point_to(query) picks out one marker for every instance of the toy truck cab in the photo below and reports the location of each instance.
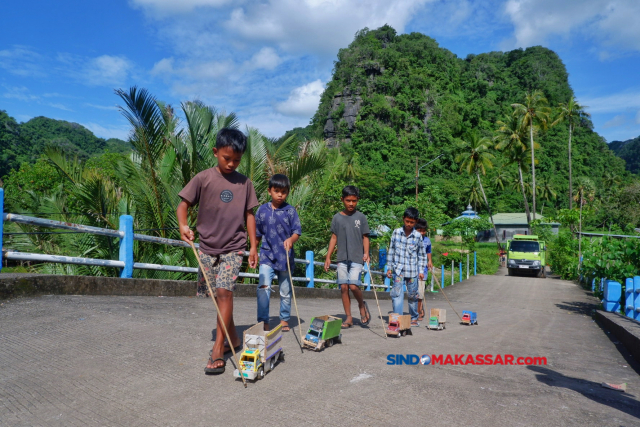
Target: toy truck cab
(437, 319)
(323, 332)
(526, 253)
(399, 325)
(469, 317)
(261, 352)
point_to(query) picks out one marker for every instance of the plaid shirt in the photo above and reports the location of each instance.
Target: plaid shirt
(407, 257)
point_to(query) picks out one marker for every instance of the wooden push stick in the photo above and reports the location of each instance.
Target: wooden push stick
(221, 321)
(293, 292)
(376, 294)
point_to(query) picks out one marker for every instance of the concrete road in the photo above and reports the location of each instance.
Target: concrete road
(138, 361)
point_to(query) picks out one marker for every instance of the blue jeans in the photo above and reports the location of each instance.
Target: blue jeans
(264, 294)
(397, 295)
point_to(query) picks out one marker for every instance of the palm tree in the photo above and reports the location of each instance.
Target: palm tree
(510, 138)
(474, 157)
(584, 190)
(547, 191)
(574, 114)
(534, 112)
(503, 177)
(474, 194)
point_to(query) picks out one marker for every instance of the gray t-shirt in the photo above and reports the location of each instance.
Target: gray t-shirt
(349, 229)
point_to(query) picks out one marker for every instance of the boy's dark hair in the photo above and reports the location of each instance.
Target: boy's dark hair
(279, 181)
(411, 213)
(350, 190)
(232, 138)
(421, 224)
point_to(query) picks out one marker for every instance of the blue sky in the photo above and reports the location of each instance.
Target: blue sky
(268, 60)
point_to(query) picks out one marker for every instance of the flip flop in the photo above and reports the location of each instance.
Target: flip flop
(286, 328)
(347, 325)
(215, 371)
(414, 323)
(366, 310)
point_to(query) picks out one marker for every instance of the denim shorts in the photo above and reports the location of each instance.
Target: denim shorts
(349, 273)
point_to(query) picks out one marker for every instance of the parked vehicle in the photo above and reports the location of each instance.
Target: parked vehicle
(261, 352)
(526, 253)
(323, 332)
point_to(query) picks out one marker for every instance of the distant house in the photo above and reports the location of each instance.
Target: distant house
(508, 224)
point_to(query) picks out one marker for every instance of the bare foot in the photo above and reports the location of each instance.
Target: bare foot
(216, 354)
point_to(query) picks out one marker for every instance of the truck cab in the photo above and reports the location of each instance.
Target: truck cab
(526, 253)
(250, 364)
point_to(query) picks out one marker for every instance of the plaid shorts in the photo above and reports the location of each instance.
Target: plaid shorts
(221, 270)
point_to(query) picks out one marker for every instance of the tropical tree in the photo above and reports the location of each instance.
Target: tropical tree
(535, 112)
(474, 157)
(574, 114)
(547, 191)
(473, 194)
(585, 192)
(510, 138)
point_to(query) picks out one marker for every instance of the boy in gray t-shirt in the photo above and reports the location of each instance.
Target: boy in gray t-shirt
(350, 231)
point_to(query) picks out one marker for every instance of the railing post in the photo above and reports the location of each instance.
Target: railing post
(310, 269)
(636, 304)
(628, 298)
(387, 281)
(1, 222)
(367, 279)
(453, 272)
(475, 263)
(432, 279)
(442, 271)
(467, 265)
(460, 265)
(126, 246)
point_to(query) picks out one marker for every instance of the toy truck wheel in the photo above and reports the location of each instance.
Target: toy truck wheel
(329, 342)
(261, 373)
(338, 339)
(272, 363)
(281, 357)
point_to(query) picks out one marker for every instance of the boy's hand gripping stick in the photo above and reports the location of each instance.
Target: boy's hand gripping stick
(221, 322)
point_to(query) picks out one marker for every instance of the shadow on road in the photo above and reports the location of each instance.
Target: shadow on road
(589, 389)
(585, 308)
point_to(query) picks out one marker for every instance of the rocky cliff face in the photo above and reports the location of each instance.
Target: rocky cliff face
(341, 119)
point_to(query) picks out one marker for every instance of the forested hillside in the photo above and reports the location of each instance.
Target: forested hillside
(394, 97)
(25, 142)
(628, 150)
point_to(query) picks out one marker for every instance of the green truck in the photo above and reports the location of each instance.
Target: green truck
(526, 253)
(323, 332)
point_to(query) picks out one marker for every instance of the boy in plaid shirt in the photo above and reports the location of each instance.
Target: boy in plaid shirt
(407, 260)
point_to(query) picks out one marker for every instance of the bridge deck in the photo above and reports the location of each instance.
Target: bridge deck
(138, 361)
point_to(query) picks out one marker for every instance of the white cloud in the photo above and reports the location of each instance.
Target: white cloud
(58, 106)
(638, 117)
(101, 107)
(164, 7)
(22, 61)
(106, 70)
(618, 120)
(609, 22)
(614, 103)
(314, 25)
(20, 93)
(106, 132)
(266, 58)
(303, 101)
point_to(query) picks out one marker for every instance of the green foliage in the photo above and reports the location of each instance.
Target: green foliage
(467, 229)
(629, 151)
(614, 259)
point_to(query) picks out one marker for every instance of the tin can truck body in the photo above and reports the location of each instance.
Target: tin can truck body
(469, 317)
(323, 332)
(399, 325)
(262, 350)
(525, 253)
(437, 319)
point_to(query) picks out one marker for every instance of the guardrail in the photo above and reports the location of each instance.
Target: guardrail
(126, 262)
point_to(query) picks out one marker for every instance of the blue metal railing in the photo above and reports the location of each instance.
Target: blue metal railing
(126, 262)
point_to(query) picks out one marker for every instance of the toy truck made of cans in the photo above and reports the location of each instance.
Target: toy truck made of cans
(323, 332)
(437, 319)
(399, 325)
(262, 350)
(469, 317)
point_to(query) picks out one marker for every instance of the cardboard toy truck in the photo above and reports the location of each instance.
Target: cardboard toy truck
(437, 319)
(469, 317)
(324, 331)
(262, 350)
(399, 325)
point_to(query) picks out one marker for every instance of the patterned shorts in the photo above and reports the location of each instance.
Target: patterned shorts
(221, 270)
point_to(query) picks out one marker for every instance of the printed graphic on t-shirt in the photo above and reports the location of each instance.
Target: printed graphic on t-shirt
(357, 223)
(226, 196)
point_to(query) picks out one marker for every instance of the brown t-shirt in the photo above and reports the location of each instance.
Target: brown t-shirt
(223, 200)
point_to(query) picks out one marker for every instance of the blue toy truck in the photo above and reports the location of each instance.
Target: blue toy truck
(469, 317)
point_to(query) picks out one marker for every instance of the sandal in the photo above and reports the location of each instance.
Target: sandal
(367, 313)
(414, 323)
(286, 328)
(347, 325)
(215, 371)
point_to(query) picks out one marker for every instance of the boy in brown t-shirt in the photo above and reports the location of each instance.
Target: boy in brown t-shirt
(226, 199)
